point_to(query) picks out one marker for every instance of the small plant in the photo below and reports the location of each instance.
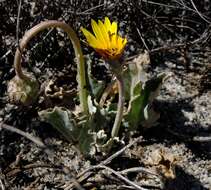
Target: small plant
(88, 125)
(110, 46)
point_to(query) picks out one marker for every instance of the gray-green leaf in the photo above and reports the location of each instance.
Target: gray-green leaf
(62, 120)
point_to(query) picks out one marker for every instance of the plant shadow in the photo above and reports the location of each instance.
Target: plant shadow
(183, 181)
(175, 127)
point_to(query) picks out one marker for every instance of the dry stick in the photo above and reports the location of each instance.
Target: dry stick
(142, 39)
(5, 55)
(137, 170)
(202, 139)
(118, 174)
(88, 11)
(158, 22)
(93, 8)
(87, 172)
(194, 6)
(110, 158)
(179, 19)
(202, 38)
(161, 4)
(182, 6)
(2, 185)
(43, 39)
(126, 180)
(78, 53)
(24, 134)
(182, 26)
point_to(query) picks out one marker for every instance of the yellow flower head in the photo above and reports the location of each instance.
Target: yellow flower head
(105, 40)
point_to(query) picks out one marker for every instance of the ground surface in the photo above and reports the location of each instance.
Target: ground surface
(177, 36)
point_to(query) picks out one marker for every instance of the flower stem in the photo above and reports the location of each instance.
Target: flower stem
(120, 107)
(78, 52)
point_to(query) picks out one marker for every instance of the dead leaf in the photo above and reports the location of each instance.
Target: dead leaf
(163, 162)
(58, 95)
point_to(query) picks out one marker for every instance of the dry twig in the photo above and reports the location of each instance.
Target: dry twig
(89, 171)
(202, 39)
(194, 6)
(121, 177)
(138, 169)
(2, 184)
(24, 134)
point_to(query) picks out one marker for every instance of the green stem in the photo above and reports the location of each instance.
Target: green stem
(120, 107)
(78, 52)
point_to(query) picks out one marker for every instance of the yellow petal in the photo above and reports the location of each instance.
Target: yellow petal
(113, 28)
(119, 42)
(107, 23)
(124, 42)
(113, 41)
(90, 38)
(98, 33)
(104, 33)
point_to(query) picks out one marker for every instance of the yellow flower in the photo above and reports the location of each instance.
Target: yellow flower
(105, 40)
